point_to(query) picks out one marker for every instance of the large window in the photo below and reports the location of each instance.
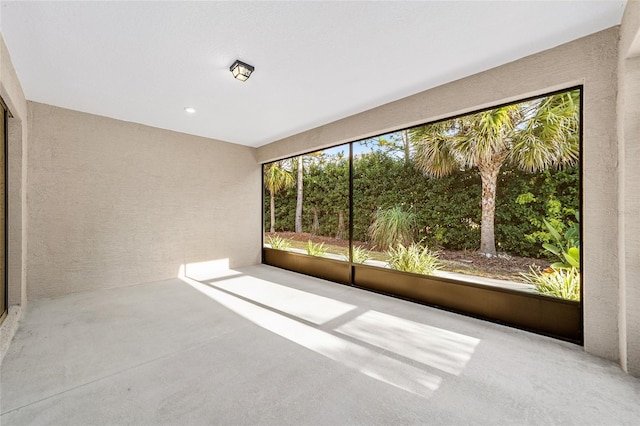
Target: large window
(490, 199)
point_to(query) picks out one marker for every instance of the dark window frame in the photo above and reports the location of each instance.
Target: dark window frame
(555, 309)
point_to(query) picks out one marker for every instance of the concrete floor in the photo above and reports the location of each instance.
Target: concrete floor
(265, 346)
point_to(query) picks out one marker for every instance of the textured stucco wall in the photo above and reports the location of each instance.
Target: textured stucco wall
(591, 61)
(114, 203)
(629, 201)
(13, 96)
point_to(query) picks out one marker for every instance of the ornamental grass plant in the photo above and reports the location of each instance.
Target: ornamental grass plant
(562, 282)
(413, 258)
(279, 243)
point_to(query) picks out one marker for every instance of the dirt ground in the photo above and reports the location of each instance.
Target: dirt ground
(464, 261)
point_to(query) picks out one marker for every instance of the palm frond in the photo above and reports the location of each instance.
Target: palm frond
(550, 137)
(277, 177)
(433, 149)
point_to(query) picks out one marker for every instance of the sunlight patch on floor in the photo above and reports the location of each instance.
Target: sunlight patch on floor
(307, 306)
(365, 360)
(206, 270)
(442, 349)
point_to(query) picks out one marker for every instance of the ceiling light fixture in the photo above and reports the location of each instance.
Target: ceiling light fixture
(240, 70)
(189, 110)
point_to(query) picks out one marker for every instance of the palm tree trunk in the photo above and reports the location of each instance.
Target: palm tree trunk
(489, 176)
(272, 210)
(340, 233)
(299, 198)
(406, 146)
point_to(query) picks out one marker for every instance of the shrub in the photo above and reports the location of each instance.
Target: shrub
(563, 283)
(279, 243)
(413, 258)
(566, 247)
(316, 249)
(391, 227)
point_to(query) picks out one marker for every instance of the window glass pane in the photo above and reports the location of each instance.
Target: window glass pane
(491, 197)
(306, 204)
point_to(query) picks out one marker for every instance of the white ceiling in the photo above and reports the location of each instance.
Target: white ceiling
(315, 61)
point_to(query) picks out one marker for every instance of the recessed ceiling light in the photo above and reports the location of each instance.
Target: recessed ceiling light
(189, 110)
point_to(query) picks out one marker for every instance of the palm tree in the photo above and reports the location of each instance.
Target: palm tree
(276, 178)
(533, 136)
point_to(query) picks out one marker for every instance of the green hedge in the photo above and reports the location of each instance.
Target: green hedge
(447, 209)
